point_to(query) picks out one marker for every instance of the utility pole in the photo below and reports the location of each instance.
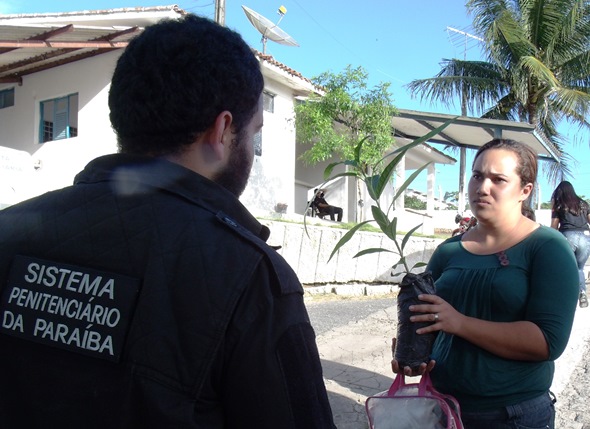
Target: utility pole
(220, 12)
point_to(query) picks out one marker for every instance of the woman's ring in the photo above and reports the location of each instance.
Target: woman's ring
(436, 317)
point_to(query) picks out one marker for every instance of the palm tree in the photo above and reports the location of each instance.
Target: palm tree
(537, 68)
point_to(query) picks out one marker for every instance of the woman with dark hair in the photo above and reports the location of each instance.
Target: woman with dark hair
(497, 286)
(570, 215)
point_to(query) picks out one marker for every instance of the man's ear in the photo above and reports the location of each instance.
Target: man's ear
(221, 134)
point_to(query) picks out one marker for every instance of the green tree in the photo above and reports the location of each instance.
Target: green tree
(537, 68)
(349, 111)
(415, 203)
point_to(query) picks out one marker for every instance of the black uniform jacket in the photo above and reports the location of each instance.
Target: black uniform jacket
(145, 296)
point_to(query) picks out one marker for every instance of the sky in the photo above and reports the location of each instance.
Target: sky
(395, 41)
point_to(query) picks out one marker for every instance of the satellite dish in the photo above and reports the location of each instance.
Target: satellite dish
(269, 29)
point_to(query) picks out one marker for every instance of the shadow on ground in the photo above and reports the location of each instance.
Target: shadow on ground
(348, 387)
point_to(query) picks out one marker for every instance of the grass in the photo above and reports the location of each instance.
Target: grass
(349, 225)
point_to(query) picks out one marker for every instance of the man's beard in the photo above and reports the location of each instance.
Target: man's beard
(234, 176)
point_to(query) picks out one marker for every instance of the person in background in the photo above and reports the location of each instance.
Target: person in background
(570, 215)
(505, 302)
(325, 208)
(529, 212)
(145, 296)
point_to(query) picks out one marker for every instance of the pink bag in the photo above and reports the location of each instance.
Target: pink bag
(413, 406)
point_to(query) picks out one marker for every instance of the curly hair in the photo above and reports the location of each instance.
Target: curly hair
(174, 79)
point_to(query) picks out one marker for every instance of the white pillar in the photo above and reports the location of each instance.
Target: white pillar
(461, 196)
(430, 179)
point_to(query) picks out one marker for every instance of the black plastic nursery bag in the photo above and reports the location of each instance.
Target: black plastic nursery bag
(412, 349)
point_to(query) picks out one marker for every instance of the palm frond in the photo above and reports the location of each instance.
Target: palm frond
(538, 68)
(573, 104)
(480, 81)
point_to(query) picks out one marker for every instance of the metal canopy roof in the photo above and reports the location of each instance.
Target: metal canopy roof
(422, 154)
(30, 43)
(470, 132)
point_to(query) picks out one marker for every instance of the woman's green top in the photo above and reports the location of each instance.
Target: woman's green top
(534, 280)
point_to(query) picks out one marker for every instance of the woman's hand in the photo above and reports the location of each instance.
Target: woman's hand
(519, 340)
(424, 367)
(436, 310)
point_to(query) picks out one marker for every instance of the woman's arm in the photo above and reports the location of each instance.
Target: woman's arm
(522, 340)
(544, 331)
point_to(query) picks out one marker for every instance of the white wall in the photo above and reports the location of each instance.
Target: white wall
(273, 173)
(16, 169)
(61, 160)
(341, 193)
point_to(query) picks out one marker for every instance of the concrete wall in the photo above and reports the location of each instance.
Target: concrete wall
(308, 253)
(307, 249)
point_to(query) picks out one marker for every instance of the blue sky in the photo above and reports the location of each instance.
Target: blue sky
(396, 41)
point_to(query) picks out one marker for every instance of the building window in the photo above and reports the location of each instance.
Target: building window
(268, 101)
(6, 98)
(59, 118)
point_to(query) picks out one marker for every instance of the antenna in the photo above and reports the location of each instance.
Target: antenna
(459, 34)
(268, 29)
(463, 151)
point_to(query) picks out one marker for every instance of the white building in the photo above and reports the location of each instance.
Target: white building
(55, 72)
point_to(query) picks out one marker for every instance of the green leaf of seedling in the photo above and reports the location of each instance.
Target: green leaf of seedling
(351, 163)
(372, 250)
(399, 262)
(372, 182)
(392, 229)
(357, 149)
(381, 220)
(421, 139)
(345, 174)
(408, 235)
(434, 132)
(346, 237)
(409, 180)
(328, 170)
(386, 175)
(418, 265)
(402, 261)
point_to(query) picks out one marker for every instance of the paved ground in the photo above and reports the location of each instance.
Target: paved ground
(356, 361)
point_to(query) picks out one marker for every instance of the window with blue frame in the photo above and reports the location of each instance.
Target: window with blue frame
(59, 118)
(6, 98)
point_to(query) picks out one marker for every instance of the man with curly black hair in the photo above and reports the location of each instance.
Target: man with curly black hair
(145, 295)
